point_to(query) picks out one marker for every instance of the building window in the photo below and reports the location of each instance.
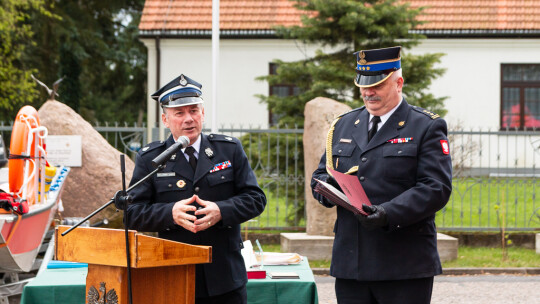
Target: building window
(520, 96)
(282, 90)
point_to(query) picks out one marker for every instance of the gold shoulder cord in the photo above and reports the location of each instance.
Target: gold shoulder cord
(329, 138)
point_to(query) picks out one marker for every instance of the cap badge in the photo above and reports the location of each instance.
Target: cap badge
(362, 56)
(357, 121)
(209, 152)
(401, 123)
(181, 183)
(183, 81)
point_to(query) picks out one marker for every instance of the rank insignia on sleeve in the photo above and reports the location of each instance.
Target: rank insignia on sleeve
(209, 152)
(221, 166)
(444, 145)
(181, 184)
(400, 140)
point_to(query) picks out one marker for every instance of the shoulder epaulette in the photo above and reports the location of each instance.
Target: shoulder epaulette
(353, 110)
(426, 112)
(151, 146)
(221, 137)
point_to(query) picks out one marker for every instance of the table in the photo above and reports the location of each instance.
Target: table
(68, 285)
(277, 291)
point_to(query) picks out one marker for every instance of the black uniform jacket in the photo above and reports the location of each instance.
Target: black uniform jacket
(411, 179)
(233, 189)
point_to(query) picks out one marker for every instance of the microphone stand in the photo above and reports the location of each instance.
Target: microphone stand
(121, 200)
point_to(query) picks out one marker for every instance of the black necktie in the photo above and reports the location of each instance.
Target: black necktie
(190, 151)
(374, 127)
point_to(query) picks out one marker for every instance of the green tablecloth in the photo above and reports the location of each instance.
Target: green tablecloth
(67, 286)
(278, 291)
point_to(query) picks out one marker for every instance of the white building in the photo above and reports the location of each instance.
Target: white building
(492, 56)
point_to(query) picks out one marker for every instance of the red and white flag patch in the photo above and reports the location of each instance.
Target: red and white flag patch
(444, 145)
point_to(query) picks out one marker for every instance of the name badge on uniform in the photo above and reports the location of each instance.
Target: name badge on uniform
(221, 166)
(345, 140)
(165, 174)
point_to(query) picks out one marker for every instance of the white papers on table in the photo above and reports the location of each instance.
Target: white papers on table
(279, 258)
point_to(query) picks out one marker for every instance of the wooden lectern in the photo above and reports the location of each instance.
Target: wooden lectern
(162, 271)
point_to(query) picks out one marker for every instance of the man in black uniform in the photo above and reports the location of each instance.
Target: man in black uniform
(202, 196)
(401, 157)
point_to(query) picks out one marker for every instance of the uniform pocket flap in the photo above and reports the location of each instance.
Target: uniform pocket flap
(397, 150)
(170, 184)
(343, 149)
(221, 176)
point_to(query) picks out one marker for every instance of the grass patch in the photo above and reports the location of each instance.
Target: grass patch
(492, 257)
(479, 203)
(275, 213)
(475, 202)
(475, 257)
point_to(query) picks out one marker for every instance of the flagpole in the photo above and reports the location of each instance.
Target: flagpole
(215, 63)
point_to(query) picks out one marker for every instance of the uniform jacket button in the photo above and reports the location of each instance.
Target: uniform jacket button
(196, 189)
(399, 152)
(222, 177)
(339, 151)
(169, 185)
(364, 159)
(362, 178)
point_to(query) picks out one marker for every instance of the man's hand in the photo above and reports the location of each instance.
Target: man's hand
(211, 212)
(376, 217)
(180, 215)
(332, 181)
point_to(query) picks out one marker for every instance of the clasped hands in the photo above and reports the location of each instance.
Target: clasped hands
(209, 209)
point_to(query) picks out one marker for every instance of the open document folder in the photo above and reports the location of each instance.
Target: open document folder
(353, 195)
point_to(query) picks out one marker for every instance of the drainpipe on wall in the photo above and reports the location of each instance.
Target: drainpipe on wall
(157, 134)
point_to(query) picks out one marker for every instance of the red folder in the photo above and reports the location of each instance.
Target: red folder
(353, 195)
(256, 274)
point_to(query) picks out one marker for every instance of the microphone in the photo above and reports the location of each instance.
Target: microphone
(182, 142)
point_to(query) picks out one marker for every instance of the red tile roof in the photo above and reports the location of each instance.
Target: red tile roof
(234, 14)
(253, 15)
(480, 14)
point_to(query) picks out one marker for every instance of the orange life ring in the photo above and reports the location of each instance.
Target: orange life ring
(26, 119)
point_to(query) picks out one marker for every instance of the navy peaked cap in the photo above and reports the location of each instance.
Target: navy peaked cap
(182, 91)
(375, 66)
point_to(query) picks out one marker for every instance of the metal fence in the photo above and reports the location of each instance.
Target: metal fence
(495, 176)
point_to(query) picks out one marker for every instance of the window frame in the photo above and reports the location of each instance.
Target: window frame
(272, 70)
(521, 85)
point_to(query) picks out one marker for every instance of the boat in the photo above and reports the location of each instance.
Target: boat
(30, 191)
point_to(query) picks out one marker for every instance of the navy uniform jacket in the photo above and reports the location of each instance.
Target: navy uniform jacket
(412, 180)
(234, 190)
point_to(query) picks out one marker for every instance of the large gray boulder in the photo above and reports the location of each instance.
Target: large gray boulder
(95, 183)
(319, 114)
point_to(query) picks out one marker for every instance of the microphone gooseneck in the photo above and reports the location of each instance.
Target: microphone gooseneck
(181, 143)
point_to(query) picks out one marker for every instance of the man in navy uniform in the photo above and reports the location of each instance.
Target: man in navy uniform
(401, 157)
(202, 196)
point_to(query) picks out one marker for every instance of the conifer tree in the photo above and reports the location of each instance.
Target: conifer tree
(347, 26)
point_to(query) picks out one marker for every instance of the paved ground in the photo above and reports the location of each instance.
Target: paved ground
(466, 289)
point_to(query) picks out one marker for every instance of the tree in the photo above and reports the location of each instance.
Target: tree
(347, 26)
(16, 86)
(94, 44)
